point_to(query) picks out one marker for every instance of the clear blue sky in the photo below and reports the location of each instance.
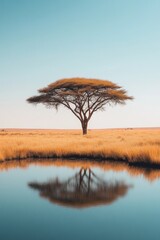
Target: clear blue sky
(45, 40)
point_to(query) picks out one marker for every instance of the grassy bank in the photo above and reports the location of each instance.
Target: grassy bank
(135, 146)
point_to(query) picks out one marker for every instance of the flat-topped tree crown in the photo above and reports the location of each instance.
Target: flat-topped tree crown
(82, 96)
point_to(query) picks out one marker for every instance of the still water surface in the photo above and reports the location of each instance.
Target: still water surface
(72, 200)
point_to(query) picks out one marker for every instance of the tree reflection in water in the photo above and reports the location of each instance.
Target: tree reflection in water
(84, 189)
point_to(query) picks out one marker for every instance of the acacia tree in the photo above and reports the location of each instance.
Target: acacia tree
(81, 96)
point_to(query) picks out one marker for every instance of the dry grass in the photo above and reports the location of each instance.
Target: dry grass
(130, 145)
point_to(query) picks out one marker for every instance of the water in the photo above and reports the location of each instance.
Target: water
(67, 200)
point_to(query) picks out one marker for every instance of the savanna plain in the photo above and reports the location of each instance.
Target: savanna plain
(133, 146)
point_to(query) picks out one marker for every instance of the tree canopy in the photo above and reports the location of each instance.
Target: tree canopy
(82, 96)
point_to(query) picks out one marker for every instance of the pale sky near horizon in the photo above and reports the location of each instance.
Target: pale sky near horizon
(42, 41)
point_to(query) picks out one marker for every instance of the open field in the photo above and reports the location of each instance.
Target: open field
(134, 146)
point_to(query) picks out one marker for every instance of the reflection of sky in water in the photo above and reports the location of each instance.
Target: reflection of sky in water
(25, 215)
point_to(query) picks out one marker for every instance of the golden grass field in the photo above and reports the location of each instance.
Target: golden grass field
(130, 145)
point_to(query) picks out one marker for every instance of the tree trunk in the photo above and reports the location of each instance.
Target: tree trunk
(84, 127)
